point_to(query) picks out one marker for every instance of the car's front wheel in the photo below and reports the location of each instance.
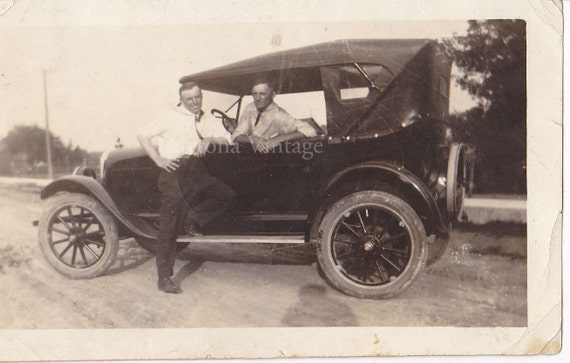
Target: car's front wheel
(371, 244)
(78, 236)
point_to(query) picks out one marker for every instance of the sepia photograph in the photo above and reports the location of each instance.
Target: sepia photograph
(320, 179)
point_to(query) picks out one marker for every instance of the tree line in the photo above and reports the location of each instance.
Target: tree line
(492, 61)
(24, 152)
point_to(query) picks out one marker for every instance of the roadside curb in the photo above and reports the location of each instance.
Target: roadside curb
(24, 181)
(485, 210)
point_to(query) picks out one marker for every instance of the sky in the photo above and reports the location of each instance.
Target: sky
(107, 78)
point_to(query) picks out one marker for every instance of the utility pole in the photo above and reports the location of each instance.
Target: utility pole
(48, 141)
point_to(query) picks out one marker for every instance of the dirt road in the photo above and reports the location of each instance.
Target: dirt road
(480, 281)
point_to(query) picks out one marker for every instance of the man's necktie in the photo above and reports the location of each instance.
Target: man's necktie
(198, 116)
(197, 119)
(257, 118)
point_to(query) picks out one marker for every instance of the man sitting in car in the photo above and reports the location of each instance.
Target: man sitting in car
(264, 124)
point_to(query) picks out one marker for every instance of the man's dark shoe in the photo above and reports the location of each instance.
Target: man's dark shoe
(192, 231)
(166, 285)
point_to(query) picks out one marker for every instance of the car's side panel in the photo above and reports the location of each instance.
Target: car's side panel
(132, 184)
(272, 182)
(401, 174)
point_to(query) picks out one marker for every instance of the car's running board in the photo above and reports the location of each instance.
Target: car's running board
(243, 239)
(275, 217)
(248, 217)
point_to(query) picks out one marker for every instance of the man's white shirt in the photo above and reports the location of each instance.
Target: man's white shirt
(177, 133)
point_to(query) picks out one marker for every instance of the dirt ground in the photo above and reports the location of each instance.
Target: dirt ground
(480, 281)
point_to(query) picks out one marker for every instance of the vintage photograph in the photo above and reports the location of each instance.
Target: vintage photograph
(176, 180)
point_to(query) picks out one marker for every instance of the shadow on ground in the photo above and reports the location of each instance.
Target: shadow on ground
(330, 312)
(130, 255)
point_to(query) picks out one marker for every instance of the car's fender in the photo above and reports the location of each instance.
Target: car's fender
(87, 185)
(405, 177)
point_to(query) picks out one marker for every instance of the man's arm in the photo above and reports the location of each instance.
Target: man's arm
(202, 147)
(266, 146)
(297, 130)
(258, 143)
(163, 163)
(243, 128)
(241, 131)
(295, 135)
(218, 140)
(244, 139)
(292, 128)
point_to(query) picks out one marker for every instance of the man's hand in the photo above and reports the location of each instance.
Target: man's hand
(167, 164)
(264, 145)
(201, 148)
(163, 163)
(259, 144)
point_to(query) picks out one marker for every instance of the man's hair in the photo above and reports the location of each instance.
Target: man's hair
(264, 80)
(187, 86)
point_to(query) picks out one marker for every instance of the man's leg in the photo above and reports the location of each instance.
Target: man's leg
(171, 204)
(209, 202)
(206, 196)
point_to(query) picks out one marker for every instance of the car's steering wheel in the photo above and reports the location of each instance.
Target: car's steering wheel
(229, 123)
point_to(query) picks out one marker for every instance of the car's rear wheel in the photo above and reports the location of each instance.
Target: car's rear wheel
(150, 244)
(371, 244)
(78, 236)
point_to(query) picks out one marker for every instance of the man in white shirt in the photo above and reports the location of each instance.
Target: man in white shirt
(264, 124)
(188, 193)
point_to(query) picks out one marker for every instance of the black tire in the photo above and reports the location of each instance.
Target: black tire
(78, 236)
(150, 244)
(371, 245)
(437, 244)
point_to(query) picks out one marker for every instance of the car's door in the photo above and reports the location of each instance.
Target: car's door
(274, 182)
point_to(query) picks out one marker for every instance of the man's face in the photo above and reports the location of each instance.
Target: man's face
(262, 95)
(192, 99)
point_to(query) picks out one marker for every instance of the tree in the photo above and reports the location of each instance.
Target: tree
(30, 142)
(492, 57)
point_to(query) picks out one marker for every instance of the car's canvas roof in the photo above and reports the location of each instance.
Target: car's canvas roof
(291, 66)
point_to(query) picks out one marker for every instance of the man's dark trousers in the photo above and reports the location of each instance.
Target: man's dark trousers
(189, 190)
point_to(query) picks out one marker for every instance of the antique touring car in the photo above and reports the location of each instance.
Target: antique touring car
(375, 191)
